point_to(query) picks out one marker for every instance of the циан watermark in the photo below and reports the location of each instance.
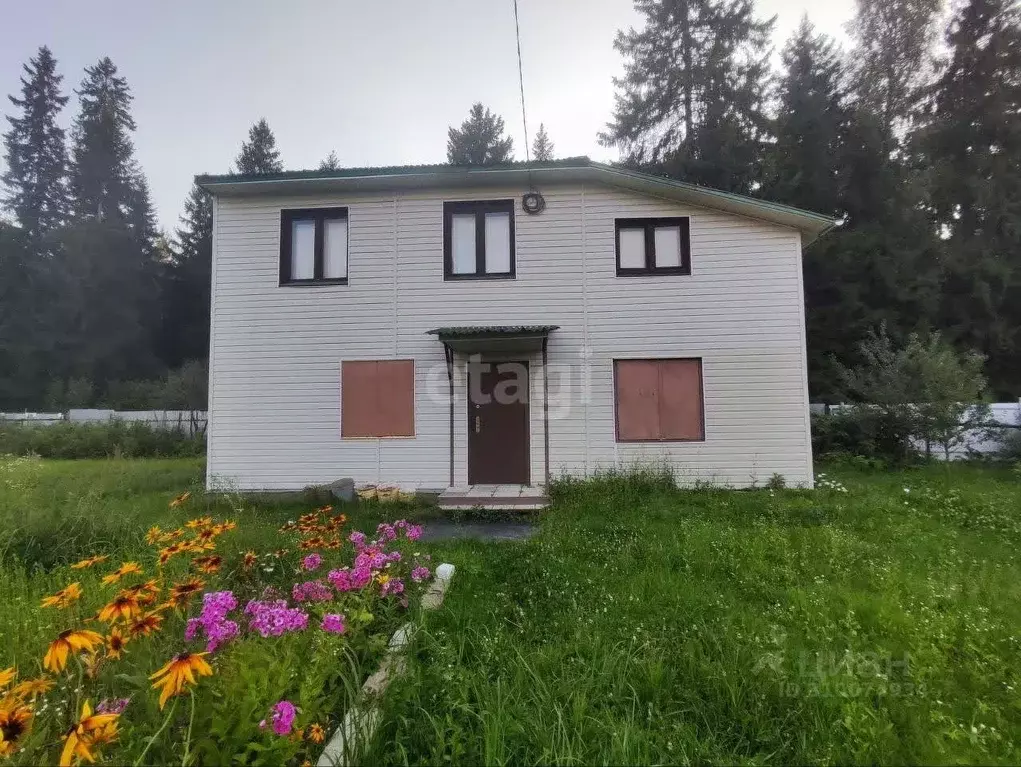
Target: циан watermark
(847, 674)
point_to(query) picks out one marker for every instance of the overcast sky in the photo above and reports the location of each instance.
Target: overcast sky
(379, 82)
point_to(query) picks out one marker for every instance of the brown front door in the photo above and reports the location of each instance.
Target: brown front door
(498, 424)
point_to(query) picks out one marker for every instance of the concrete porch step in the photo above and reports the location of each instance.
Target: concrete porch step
(494, 497)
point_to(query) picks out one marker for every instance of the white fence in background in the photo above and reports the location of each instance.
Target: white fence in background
(188, 421)
(1004, 422)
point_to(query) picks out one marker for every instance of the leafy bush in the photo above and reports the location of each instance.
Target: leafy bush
(865, 431)
(1010, 445)
(99, 440)
(183, 389)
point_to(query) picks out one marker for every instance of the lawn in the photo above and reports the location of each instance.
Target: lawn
(872, 620)
(875, 620)
(201, 560)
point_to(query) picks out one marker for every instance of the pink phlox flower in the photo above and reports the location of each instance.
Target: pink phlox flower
(340, 579)
(360, 577)
(312, 561)
(212, 621)
(275, 618)
(333, 622)
(392, 587)
(112, 705)
(413, 532)
(420, 574)
(311, 591)
(281, 717)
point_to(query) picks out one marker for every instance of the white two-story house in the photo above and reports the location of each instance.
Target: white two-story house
(467, 328)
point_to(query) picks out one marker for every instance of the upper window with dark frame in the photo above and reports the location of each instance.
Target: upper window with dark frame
(478, 240)
(653, 245)
(313, 246)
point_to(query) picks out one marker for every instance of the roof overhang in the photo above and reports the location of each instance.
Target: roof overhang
(525, 175)
(478, 339)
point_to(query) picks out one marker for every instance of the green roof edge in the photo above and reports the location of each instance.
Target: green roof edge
(387, 170)
(567, 162)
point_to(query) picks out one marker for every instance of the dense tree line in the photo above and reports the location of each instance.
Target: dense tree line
(911, 141)
(913, 146)
(97, 305)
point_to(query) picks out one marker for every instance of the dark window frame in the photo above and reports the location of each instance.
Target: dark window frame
(649, 225)
(616, 400)
(319, 215)
(480, 208)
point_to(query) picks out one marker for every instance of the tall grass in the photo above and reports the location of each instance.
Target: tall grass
(647, 624)
(113, 439)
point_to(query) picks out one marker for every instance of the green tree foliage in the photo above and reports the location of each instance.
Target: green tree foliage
(968, 143)
(103, 172)
(259, 154)
(811, 126)
(924, 383)
(542, 147)
(330, 162)
(479, 140)
(187, 289)
(832, 153)
(28, 335)
(108, 300)
(36, 176)
(892, 56)
(691, 100)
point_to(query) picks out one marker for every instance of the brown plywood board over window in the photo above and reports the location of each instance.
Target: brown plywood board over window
(395, 404)
(637, 384)
(377, 399)
(680, 400)
(659, 400)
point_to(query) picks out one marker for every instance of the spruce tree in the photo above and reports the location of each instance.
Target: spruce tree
(542, 147)
(691, 100)
(102, 170)
(479, 140)
(802, 166)
(330, 162)
(259, 154)
(36, 176)
(111, 313)
(187, 292)
(968, 144)
(892, 56)
(30, 303)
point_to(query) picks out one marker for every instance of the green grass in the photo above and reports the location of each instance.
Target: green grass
(54, 513)
(642, 625)
(651, 625)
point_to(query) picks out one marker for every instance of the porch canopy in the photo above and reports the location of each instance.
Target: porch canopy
(476, 339)
(479, 339)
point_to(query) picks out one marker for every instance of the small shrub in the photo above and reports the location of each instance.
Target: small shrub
(777, 482)
(1009, 449)
(99, 440)
(865, 431)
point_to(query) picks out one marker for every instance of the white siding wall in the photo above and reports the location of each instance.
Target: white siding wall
(276, 351)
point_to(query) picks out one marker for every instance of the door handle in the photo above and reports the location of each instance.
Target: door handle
(478, 425)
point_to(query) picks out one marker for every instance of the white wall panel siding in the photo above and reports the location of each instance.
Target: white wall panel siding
(275, 351)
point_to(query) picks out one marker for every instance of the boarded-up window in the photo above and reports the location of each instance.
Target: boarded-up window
(659, 400)
(377, 398)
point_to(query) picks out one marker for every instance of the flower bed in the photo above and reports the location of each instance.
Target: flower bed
(207, 655)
